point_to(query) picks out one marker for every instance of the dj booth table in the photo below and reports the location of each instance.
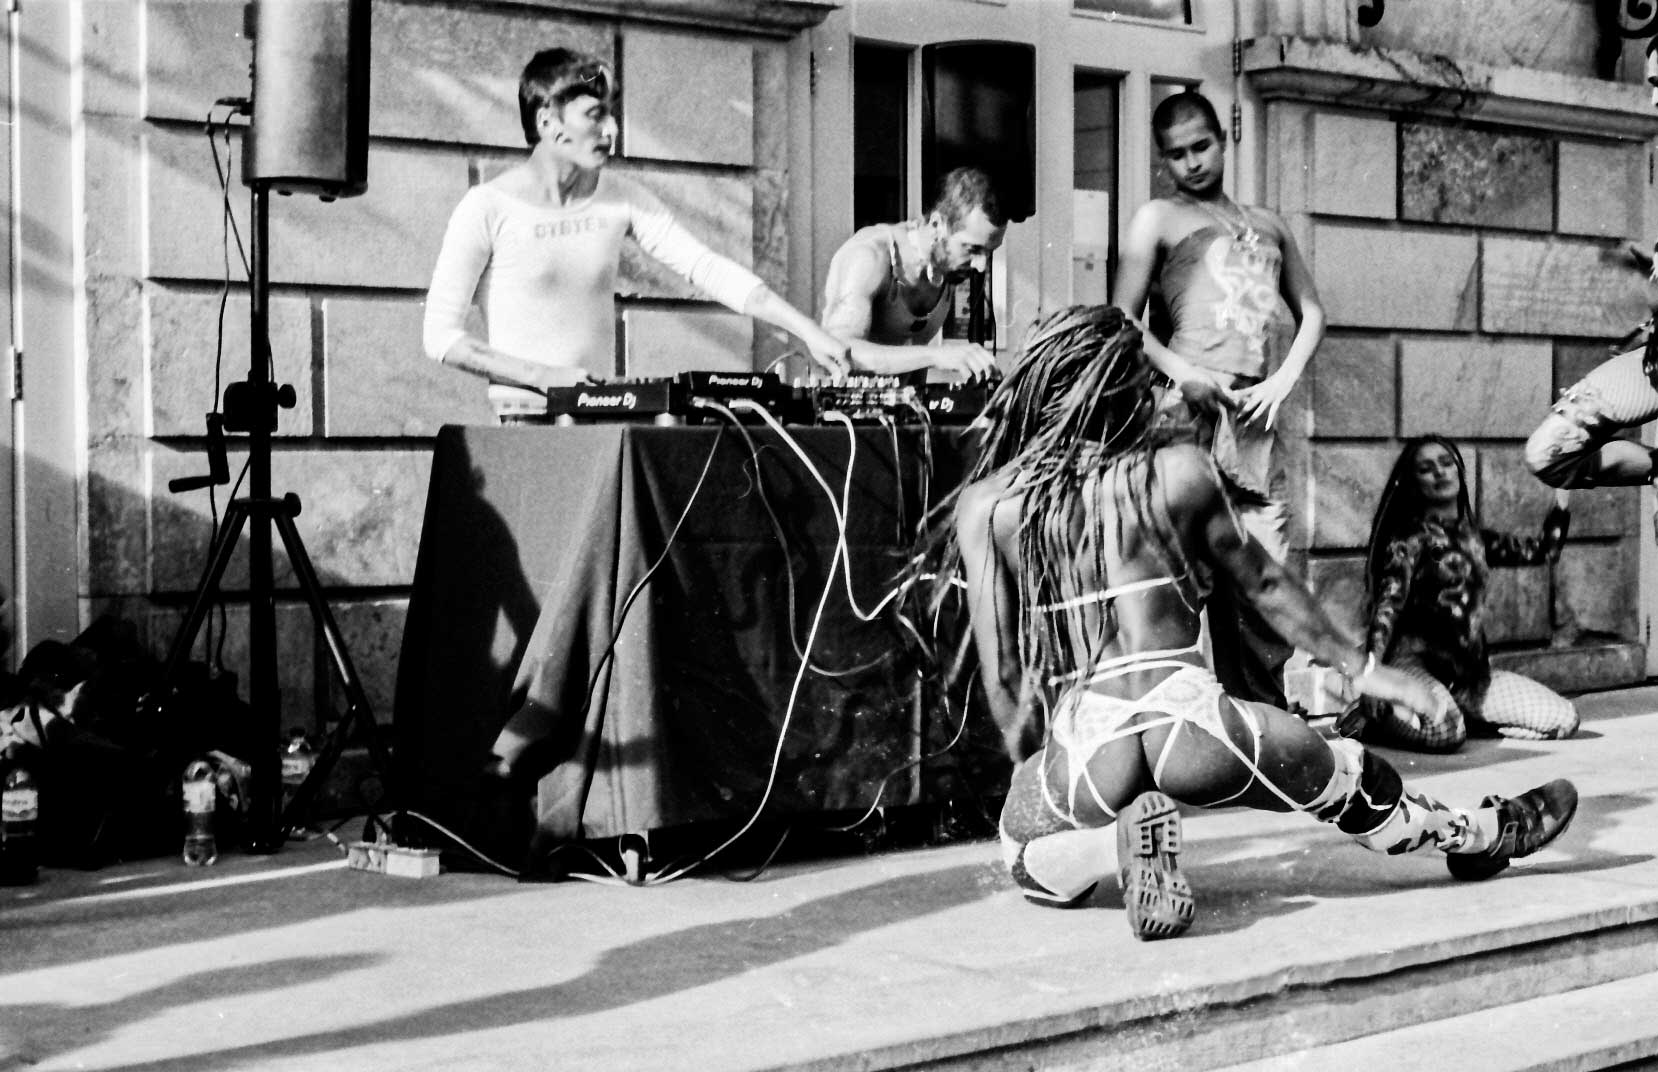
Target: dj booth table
(630, 716)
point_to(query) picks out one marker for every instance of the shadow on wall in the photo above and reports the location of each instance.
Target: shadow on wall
(154, 552)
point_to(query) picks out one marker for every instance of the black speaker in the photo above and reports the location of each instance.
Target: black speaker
(310, 97)
(978, 109)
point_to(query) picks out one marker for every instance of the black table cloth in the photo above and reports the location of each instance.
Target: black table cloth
(517, 644)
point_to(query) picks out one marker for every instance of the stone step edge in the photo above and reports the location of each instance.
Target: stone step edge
(1599, 1026)
(1141, 1023)
(1578, 668)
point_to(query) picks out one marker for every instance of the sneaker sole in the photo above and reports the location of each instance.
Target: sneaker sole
(1156, 894)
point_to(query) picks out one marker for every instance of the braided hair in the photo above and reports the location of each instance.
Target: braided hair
(1076, 401)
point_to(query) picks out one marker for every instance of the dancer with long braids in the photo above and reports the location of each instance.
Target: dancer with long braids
(1079, 535)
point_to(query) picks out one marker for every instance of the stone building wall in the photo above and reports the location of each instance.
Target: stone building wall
(1464, 224)
(348, 279)
(1461, 214)
(1563, 36)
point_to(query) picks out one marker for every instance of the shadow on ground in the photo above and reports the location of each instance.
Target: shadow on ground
(663, 964)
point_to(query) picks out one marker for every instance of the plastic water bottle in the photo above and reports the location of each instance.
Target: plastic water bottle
(200, 787)
(19, 815)
(298, 757)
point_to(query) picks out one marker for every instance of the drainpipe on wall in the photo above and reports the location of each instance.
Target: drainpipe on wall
(1237, 90)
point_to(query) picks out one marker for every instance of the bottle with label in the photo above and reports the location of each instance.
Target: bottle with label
(19, 819)
(201, 788)
(298, 757)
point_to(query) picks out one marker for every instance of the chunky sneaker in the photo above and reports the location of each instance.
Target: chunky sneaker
(1525, 824)
(1158, 900)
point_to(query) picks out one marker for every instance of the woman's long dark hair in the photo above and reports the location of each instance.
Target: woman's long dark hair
(1401, 508)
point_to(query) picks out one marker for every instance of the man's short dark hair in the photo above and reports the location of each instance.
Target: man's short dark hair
(963, 190)
(1187, 104)
(556, 76)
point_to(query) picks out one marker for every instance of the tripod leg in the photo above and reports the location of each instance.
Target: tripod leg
(357, 705)
(224, 544)
(261, 837)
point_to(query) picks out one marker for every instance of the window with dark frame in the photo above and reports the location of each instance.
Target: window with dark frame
(1095, 196)
(1176, 11)
(880, 132)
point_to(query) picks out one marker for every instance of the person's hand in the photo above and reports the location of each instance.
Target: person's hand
(1206, 391)
(1640, 257)
(968, 360)
(832, 354)
(560, 376)
(1403, 690)
(1260, 402)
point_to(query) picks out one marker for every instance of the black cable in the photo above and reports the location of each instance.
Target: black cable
(215, 652)
(676, 870)
(236, 107)
(764, 864)
(639, 585)
(881, 786)
(927, 468)
(224, 182)
(891, 426)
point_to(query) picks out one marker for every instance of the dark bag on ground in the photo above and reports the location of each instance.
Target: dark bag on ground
(106, 751)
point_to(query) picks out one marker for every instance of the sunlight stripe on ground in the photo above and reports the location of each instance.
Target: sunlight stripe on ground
(208, 883)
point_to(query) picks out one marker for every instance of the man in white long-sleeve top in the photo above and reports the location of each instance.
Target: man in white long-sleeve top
(538, 249)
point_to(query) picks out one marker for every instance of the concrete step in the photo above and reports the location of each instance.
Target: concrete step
(1579, 667)
(1588, 986)
(1602, 1026)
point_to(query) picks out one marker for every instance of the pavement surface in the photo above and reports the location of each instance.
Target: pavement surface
(293, 962)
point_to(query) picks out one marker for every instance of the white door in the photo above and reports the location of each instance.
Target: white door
(9, 656)
(41, 478)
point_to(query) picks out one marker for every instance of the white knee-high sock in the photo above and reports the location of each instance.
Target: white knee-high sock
(1062, 866)
(1367, 799)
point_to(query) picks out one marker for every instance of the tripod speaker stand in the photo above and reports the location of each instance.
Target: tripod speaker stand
(310, 135)
(251, 407)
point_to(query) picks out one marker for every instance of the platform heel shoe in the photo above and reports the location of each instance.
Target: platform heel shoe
(1525, 824)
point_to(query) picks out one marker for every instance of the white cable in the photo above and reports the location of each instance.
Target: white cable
(834, 504)
(777, 753)
(783, 730)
